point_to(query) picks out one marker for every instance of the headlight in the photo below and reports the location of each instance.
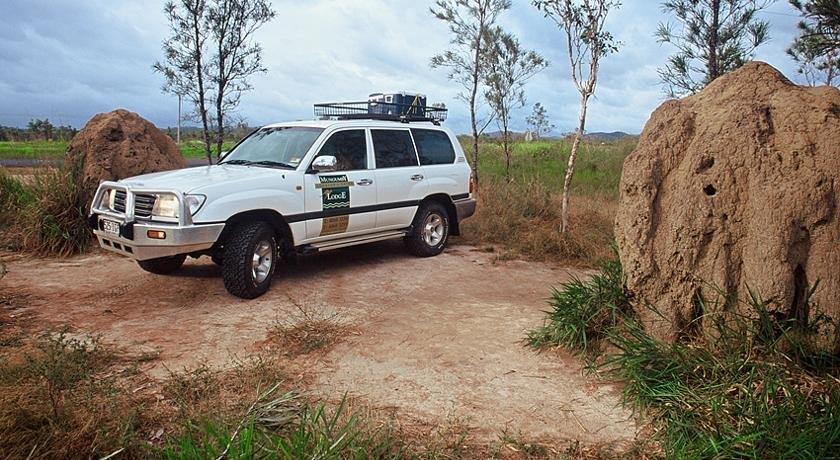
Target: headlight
(106, 201)
(166, 205)
(194, 202)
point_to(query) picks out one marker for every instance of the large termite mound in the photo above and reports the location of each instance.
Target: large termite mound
(730, 191)
(120, 144)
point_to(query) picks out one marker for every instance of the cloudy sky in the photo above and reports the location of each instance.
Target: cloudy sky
(69, 59)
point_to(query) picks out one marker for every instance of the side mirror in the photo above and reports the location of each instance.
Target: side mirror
(325, 163)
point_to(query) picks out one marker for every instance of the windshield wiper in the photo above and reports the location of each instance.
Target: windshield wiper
(278, 164)
(270, 163)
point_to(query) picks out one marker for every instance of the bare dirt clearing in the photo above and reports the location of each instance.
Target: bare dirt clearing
(434, 339)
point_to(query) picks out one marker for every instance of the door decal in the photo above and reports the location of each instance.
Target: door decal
(335, 194)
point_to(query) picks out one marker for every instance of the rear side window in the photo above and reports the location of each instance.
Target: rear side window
(349, 149)
(433, 147)
(393, 148)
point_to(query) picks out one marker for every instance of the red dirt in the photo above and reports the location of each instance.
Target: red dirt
(436, 339)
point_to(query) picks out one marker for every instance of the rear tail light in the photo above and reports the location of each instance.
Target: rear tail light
(472, 183)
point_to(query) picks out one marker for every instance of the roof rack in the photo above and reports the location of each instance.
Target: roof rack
(376, 110)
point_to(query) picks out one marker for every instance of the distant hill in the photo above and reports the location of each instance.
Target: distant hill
(609, 137)
(596, 136)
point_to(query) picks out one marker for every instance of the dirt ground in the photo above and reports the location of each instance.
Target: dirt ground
(435, 339)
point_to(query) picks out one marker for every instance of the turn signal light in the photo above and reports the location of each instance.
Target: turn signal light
(156, 234)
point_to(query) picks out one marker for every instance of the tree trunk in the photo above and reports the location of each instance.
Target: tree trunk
(713, 67)
(570, 167)
(473, 121)
(202, 106)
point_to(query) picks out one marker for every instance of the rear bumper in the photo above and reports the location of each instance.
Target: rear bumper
(133, 240)
(464, 208)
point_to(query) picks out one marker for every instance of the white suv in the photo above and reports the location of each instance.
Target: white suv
(288, 189)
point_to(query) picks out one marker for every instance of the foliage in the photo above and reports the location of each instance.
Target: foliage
(211, 51)
(760, 390)
(587, 42)
(185, 66)
(817, 48)
(232, 24)
(509, 67)
(469, 22)
(716, 37)
(538, 121)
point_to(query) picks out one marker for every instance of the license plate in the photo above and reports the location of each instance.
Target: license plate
(110, 227)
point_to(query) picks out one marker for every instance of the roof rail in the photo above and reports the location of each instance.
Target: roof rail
(375, 110)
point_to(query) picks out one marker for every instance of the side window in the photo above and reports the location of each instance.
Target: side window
(393, 148)
(433, 147)
(349, 149)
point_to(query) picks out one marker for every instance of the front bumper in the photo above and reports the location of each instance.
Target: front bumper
(464, 208)
(130, 236)
(134, 242)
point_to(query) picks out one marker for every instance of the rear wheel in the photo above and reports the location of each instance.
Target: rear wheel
(249, 260)
(163, 265)
(430, 231)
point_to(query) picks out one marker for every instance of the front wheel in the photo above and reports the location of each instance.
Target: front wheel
(163, 265)
(249, 260)
(430, 231)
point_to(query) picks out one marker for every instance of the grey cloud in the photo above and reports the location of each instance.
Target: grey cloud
(68, 60)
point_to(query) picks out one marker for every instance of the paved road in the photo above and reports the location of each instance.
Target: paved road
(33, 163)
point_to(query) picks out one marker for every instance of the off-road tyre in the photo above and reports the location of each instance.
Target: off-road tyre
(418, 241)
(238, 271)
(163, 265)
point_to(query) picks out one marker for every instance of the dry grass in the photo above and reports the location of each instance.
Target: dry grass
(525, 218)
(307, 330)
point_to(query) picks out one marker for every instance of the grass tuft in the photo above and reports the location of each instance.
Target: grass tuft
(761, 389)
(46, 215)
(583, 311)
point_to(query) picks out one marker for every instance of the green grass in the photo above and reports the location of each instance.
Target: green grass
(37, 150)
(54, 150)
(597, 172)
(763, 389)
(285, 427)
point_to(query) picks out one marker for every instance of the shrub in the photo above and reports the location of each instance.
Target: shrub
(47, 215)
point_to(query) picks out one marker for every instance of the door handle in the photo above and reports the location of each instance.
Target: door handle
(364, 182)
(417, 177)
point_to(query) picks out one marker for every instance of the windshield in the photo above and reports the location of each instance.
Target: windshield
(283, 146)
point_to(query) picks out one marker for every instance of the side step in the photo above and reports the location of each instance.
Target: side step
(335, 244)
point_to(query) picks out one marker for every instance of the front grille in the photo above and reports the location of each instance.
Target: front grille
(143, 205)
(119, 201)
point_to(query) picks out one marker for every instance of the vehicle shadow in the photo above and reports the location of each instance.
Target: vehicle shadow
(324, 263)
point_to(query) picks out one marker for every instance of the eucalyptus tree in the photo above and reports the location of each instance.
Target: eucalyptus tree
(587, 42)
(470, 23)
(508, 68)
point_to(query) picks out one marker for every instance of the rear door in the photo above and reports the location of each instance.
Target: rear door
(400, 184)
(341, 203)
(437, 152)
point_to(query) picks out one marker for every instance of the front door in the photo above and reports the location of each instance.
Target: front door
(342, 202)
